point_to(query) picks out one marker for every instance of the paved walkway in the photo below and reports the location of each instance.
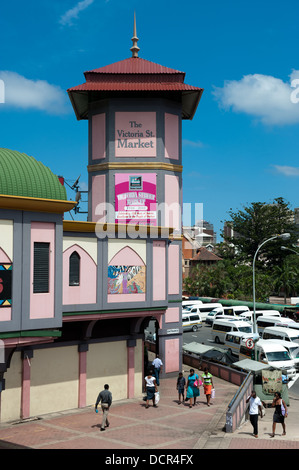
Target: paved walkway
(170, 426)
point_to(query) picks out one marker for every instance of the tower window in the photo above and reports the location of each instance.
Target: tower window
(74, 275)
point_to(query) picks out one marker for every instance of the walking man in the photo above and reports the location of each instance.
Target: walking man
(157, 363)
(255, 406)
(105, 397)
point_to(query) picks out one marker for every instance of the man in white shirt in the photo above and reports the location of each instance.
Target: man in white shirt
(157, 363)
(255, 406)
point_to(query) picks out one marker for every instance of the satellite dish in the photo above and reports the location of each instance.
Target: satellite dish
(78, 196)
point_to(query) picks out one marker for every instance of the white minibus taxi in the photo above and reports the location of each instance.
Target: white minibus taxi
(204, 309)
(222, 312)
(232, 341)
(280, 332)
(270, 353)
(221, 327)
(191, 321)
(264, 322)
(190, 303)
(260, 313)
(292, 347)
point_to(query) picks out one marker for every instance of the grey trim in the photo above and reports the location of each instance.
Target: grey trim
(40, 323)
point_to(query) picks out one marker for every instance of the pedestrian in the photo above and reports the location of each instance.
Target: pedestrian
(157, 363)
(105, 397)
(280, 413)
(207, 379)
(151, 388)
(180, 386)
(255, 406)
(192, 387)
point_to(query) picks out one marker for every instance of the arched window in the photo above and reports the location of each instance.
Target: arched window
(74, 278)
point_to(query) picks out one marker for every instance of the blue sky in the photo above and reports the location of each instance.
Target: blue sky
(243, 143)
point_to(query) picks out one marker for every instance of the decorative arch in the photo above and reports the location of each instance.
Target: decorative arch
(85, 292)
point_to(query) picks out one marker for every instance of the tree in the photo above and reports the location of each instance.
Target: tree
(254, 224)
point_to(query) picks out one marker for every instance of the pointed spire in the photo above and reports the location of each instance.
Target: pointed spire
(134, 48)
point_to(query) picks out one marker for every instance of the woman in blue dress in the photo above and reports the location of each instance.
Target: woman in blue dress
(192, 387)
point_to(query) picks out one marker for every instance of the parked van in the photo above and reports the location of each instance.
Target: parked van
(219, 312)
(200, 309)
(203, 309)
(279, 332)
(260, 313)
(190, 303)
(232, 341)
(293, 349)
(191, 322)
(272, 354)
(264, 322)
(221, 327)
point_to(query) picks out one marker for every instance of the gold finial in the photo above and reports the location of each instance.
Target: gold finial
(134, 48)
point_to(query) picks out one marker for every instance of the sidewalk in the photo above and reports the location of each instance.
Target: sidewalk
(170, 426)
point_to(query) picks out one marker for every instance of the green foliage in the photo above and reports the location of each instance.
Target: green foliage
(275, 269)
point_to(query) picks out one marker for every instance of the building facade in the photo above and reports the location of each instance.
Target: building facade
(77, 296)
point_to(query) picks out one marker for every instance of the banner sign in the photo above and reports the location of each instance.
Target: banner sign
(135, 134)
(136, 198)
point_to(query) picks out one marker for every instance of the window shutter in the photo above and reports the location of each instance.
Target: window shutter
(41, 265)
(74, 275)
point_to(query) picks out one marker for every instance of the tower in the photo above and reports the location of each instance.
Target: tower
(135, 109)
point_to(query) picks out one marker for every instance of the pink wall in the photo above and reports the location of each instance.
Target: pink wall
(86, 292)
(5, 312)
(42, 305)
(159, 270)
(98, 136)
(172, 315)
(174, 269)
(172, 202)
(172, 355)
(171, 136)
(98, 197)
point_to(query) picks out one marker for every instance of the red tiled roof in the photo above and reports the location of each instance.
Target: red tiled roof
(134, 75)
(132, 86)
(135, 65)
(205, 255)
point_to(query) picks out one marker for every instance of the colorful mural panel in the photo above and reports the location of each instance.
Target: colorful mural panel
(5, 285)
(126, 280)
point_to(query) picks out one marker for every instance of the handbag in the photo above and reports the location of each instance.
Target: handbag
(283, 411)
(195, 383)
(157, 398)
(213, 393)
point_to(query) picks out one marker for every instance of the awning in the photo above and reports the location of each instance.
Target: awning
(251, 366)
(198, 348)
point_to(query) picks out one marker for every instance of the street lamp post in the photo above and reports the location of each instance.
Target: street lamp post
(283, 236)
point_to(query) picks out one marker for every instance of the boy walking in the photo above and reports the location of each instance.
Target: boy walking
(180, 386)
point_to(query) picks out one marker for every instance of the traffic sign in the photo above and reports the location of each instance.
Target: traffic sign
(250, 343)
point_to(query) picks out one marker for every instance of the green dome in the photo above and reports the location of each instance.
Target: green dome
(21, 175)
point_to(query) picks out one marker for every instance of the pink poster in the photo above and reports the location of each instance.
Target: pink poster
(135, 134)
(135, 198)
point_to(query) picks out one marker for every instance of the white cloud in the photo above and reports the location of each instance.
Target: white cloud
(265, 97)
(68, 17)
(23, 93)
(287, 170)
(191, 143)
